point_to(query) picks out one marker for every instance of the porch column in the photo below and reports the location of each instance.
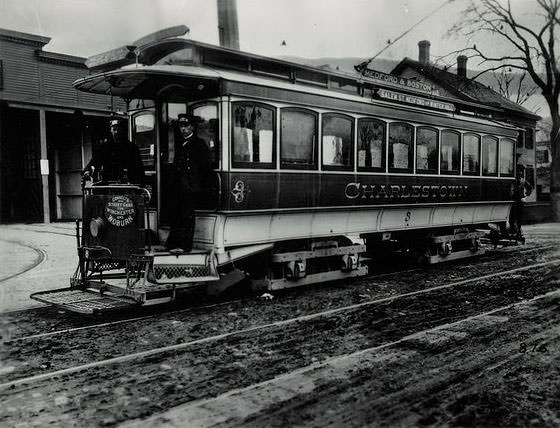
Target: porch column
(44, 166)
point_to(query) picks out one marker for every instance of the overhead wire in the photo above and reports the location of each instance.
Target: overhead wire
(362, 66)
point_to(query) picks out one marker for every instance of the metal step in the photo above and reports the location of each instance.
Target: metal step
(83, 301)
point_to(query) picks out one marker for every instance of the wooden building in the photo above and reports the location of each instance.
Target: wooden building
(47, 129)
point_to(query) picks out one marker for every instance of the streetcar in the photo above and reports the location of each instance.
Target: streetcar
(315, 171)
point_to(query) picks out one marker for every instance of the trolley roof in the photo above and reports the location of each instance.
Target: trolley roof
(178, 68)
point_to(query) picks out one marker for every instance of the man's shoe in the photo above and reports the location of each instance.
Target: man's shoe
(176, 251)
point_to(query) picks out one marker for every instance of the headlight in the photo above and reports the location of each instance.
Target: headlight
(96, 226)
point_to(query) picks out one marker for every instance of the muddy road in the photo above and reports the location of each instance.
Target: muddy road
(464, 344)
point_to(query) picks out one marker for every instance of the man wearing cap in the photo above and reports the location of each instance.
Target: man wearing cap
(117, 159)
(189, 182)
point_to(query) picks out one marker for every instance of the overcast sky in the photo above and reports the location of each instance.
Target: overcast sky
(311, 28)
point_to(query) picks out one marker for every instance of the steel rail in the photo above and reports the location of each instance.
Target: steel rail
(146, 317)
(181, 346)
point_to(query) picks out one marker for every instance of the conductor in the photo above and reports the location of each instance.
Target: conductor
(117, 159)
(189, 183)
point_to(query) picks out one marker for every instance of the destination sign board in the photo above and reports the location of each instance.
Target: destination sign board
(411, 99)
(401, 81)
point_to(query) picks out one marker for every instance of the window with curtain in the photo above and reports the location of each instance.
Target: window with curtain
(507, 150)
(489, 156)
(471, 154)
(253, 138)
(400, 147)
(337, 142)
(426, 150)
(371, 145)
(449, 158)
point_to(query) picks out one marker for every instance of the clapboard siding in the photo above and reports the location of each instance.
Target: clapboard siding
(31, 75)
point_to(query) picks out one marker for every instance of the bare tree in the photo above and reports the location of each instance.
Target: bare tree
(533, 48)
(513, 85)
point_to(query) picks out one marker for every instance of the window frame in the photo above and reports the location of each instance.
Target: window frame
(497, 140)
(352, 143)
(289, 165)
(248, 164)
(470, 173)
(459, 149)
(218, 143)
(411, 164)
(426, 171)
(383, 166)
(513, 143)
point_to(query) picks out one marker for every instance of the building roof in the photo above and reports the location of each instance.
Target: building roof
(464, 88)
(17, 36)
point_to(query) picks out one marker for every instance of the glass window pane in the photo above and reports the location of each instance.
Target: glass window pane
(371, 144)
(506, 157)
(337, 141)
(489, 155)
(449, 163)
(144, 138)
(207, 130)
(253, 135)
(471, 154)
(173, 111)
(400, 146)
(426, 150)
(298, 132)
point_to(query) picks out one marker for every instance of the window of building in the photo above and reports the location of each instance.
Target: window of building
(471, 154)
(543, 156)
(338, 142)
(520, 139)
(207, 129)
(298, 139)
(400, 147)
(253, 135)
(426, 150)
(371, 145)
(507, 148)
(529, 138)
(450, 151)
(489, 156)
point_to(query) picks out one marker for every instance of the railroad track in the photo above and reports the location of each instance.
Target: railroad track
(39, 321)
(215, 364)
(264, 327)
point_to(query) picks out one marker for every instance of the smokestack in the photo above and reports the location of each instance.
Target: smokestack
(462, 66)
(424, 52)
(227, 24)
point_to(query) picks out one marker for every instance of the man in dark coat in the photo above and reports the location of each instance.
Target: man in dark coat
(117, 159)
(521, 189)
(189, 183)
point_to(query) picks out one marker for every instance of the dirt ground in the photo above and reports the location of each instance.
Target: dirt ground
(387, 350)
